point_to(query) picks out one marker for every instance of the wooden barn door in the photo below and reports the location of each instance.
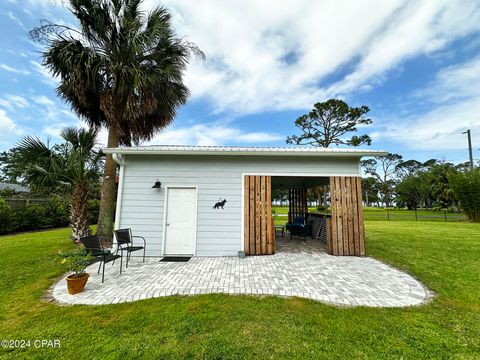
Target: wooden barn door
(346, 231)
(259, 235)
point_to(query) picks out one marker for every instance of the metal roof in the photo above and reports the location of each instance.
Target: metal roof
(242, 150)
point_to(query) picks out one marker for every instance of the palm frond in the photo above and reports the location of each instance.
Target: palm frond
(126, 72)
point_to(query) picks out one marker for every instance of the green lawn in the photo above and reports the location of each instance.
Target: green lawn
(445, 256)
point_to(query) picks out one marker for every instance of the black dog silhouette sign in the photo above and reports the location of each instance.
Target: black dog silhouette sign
(220, 204)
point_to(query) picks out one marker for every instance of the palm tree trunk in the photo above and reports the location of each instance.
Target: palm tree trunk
(108, 195)
(79, 211)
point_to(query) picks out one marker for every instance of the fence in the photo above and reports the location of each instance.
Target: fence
(20, 203)
(413, 215)
(380, 214)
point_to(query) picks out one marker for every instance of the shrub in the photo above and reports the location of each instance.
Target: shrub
(31, 217)
(54, 213)
(58, 212)
(6, 217)
(466, 187)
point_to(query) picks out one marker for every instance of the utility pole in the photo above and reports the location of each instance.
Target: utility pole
(469, 147)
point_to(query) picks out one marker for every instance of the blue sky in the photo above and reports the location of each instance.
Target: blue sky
(416, 64)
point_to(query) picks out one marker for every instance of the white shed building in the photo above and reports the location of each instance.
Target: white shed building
(178, 216)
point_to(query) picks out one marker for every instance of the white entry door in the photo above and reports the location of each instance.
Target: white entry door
(180, 226)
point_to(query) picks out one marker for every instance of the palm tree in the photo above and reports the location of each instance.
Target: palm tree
(74, 164)
(122, 70)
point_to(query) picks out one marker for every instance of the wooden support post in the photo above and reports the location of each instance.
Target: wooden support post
(289, 205)
(346, 234)
(263, 215)
(271, 225)
(258, 249)
(259, 237)
(252, 215)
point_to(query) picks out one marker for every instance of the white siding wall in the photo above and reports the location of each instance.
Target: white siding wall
(219, 232)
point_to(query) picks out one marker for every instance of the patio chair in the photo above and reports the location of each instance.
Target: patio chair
(93, 246)
(125, 243)
(299, 227)
(296, 226)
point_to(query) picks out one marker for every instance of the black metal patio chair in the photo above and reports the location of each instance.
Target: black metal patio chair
(93, 246)
(125, 243)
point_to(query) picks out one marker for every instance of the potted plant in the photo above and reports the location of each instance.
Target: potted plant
(75, 262)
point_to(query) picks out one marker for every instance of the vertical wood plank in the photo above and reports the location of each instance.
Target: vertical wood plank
(328, 229)
(289, 205)
(356, 248)
(348, 208)
(344, 216)
(252, 215)
(246, 212)
(305, 201)
(295, 204)
(335, 215)
(258, 239)
(361, 226)
(332, 234)
(263, 212)
(270, 220)
(333, 223)
(338, 207)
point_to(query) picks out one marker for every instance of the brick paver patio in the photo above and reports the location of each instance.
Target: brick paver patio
(300, 269)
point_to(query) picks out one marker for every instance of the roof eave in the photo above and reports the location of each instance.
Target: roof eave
(130, 151)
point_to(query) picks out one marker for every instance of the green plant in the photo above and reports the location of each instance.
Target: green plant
(57, 211)
(222, 326)
(466, 187)
(75, 261)
(328, 122)
(122, 69)
(72, 165)
(30, 217)
(6, 217)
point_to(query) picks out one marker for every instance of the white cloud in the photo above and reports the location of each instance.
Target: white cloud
(454, 83)
(10, 101)
(272, 55)
(455, 96)
(418, 28)
(43, 100)
(211, 134)
(6, 124)
(14, 70)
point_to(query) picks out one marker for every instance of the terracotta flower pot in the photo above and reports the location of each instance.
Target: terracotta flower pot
(76, 285)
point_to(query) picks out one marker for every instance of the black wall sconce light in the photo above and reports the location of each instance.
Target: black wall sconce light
(157, 184)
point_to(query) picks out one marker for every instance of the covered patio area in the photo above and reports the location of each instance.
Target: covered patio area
(341, 229)
(304, 270)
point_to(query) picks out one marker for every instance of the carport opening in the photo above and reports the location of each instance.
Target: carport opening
(300, 209)
(324, 209)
